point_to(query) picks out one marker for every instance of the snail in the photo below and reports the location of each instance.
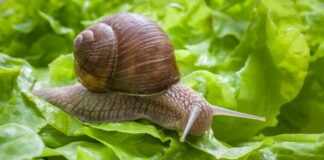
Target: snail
(128, 71)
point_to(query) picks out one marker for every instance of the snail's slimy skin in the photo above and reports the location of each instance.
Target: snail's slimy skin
(178, 108)
(170, 109)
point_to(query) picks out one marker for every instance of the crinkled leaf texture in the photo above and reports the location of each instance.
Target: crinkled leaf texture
(262, 57)
(291, 146)
(19, 142)
(266, 70)
(305, 113)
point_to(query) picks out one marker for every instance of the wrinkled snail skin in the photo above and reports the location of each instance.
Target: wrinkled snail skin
(128, 71)
(171, 109)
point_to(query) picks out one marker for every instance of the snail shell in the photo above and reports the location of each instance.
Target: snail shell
(127, 53)
(130, 54)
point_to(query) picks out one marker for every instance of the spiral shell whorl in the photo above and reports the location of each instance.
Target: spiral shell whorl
(95, 56)
(127, 53)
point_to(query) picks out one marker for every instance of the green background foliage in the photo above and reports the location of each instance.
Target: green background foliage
(262, 57)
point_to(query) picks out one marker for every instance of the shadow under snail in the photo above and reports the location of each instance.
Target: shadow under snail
(128, 71)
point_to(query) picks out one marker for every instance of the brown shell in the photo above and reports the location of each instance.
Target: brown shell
(125, 52)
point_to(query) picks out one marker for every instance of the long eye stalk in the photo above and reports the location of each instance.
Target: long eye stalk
(216, 111)
(223, 111)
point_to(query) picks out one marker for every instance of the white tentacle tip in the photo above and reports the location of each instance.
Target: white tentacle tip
(263, 119)
(182, 139)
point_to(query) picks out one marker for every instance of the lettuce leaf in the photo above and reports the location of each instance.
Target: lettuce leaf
(81, 150)
(15, 75)
(291, 146)
(266, 70)
(19, 142)
(262, 57)
(305, 113)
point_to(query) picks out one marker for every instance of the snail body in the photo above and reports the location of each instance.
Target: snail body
(128, 71)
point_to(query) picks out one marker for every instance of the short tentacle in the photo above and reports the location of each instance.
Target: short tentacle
(192, 117)
(208, 133)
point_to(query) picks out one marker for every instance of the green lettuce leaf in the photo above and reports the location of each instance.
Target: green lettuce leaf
(38, 31)
(19, 142)
(21, 110)
(81, 150)
(61, 71)
(292, 146)
(15, 75)
(53, 138)
(178, 150)
(305, 113)
(266, 70)
(262, 57)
